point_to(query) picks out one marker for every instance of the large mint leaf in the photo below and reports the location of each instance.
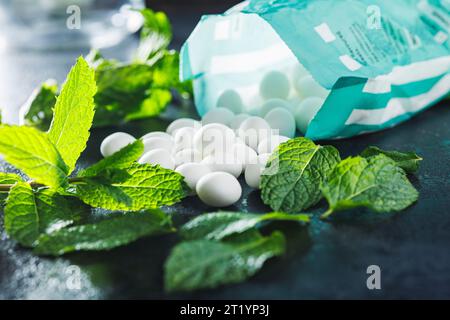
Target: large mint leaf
(32, 152)
(106, 234)
(146, 187)
(292, 178)
(119, 160)
(408, 161)
(218, 225)
(30, 213)
(202, 264)
(377, 183)
(74, 112)
(38, 110)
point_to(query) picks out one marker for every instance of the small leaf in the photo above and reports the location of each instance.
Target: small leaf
(106, 234)
(292, 178)
(38, 110)
(156, 35)
(30, 213)
(32, 152)
(377, 183)
(408, 161)
(147, 187)
(119, 160)
(202, 264)
(74, 112)
(8, 179)
(218, 225)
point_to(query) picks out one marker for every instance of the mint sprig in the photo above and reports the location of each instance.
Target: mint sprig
(46, 212)
(127, 91)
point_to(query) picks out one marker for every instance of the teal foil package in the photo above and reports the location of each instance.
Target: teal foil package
(382, 61)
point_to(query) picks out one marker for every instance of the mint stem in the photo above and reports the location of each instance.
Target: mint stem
(7, 187)
(328, 213)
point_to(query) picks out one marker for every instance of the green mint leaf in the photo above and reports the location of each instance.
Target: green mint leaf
(31, 151)
(203, 264)
(119, 160)
(377, 183)
(7, 179)
(122, 88)
(29, 213)
(292, 178)
(146, 187)
(74, 112)
(106, 234)
(155, 103)
(38, 110)
(218, 225)
(408, 161)
(156, 35)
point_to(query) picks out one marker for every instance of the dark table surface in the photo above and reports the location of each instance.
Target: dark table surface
(326, 260)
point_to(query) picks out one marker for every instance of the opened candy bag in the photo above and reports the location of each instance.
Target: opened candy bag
(342, 67)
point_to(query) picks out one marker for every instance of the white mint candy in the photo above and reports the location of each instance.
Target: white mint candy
(253, 171)
(158, 156)
(224, 163)
(219, 189)
(218, 115)
(157, 134)
(275, 84)
(158, 143)
(237, 120)
(182, 123)
(244, 154)
(253, 130)
(230, 99)
(184, 138)
(192, 173)
(272, 104)
(114, 142)
(282, 120)
(308, 87)
(269, 145)
(306, 111)
(187, 156)
(214, 138)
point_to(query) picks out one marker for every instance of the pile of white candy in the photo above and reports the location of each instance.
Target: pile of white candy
(210, 156)
(286, 100)
(213, 153)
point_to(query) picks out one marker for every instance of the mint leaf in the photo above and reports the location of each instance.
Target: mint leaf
(155, 103)
(202, 264)
(7, 179)
(218, 225)
(146, 187)
(119, 160)
(29, 213)
(122, 88)
(408, 161)
(74, 112)
(156, 35)
(377, 183)
(32, 152)
(292, 178)
(38, 110)
(106, 234)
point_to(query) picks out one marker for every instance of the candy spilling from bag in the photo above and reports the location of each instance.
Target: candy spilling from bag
(340, 68)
